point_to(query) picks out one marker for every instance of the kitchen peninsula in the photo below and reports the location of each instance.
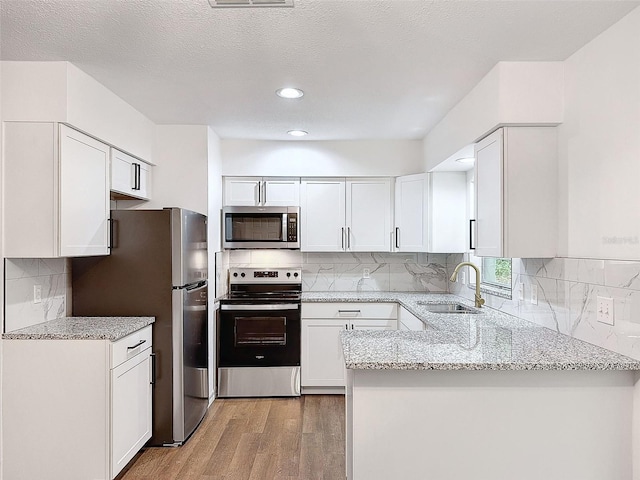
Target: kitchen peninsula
(484, 395)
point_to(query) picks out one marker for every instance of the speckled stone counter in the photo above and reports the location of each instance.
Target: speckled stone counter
(81, 328)
(485, 341)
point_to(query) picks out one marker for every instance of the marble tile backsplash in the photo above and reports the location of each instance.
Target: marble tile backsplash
(21, 275)
(340, 271)
(567, 297)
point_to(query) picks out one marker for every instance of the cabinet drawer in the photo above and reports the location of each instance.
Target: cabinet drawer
(131, 345)
(350, 310)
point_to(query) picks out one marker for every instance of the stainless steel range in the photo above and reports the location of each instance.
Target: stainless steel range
(259, 334)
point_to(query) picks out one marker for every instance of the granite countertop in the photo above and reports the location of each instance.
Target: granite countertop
(81, 328)
(490, 340)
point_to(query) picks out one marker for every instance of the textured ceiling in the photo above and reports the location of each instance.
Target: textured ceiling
(369, 68)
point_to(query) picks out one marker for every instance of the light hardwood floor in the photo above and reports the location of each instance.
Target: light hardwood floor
(256, 439)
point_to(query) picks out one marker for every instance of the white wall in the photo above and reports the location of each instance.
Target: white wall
(512, 93)
(98, 111)
(600, 146)
(321, 158)
(60, 92)
(215, 191)
(180, 176)
(214, 164)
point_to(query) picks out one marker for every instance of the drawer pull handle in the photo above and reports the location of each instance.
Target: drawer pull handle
(348, 311)
(137, 345)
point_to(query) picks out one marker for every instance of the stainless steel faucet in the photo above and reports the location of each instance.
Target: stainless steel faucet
(454, 276)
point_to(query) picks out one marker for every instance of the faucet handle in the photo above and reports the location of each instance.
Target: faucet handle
(479, 301)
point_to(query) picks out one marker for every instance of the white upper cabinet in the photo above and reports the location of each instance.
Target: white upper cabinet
(261, 191)
(516, 174)
(430, 213)
(368, 215)
(130, 176)
(346, 215)
(448, 218)
(58, 181)
(322, 212)
(411, 232)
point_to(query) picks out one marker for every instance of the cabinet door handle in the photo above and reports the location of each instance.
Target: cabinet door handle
(137, 344)
(153, 368)
(349, 237)
(264, 193)
(139, 168)
(110, 234)
(342, 237)
(471, 222)
(397, 237)
(259, 192)
(346, 326)
(136, 176)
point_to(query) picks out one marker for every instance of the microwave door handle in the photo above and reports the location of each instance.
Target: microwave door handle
(284, 228)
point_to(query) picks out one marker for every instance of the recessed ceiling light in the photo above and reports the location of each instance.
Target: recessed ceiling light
(297, 133)
(466, 160)
(289, 92)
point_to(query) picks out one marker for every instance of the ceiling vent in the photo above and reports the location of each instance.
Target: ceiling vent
(250, 3)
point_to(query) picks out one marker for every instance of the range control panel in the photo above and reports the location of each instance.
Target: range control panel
(265, 275)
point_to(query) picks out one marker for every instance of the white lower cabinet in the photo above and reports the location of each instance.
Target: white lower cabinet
(75, 409)
(408, 321)
(131, 420)
(322, 362)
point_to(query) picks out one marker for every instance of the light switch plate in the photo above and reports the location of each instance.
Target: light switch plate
(604, 310)
(534, 294)
(366, 273)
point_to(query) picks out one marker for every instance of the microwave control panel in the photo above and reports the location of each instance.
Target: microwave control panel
(292, 227)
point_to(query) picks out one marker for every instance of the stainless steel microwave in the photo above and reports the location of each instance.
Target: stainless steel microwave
(261, 227)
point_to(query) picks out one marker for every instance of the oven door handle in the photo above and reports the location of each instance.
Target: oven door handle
(268, 306)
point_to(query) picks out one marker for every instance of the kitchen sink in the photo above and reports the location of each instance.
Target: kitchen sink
(448, 308)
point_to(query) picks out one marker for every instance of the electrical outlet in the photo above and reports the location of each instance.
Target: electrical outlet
(37, 294)
(520, 291)
(604, 308)
(366, 273)
(534, 294)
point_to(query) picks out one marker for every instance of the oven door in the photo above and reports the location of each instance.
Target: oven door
(265, 335)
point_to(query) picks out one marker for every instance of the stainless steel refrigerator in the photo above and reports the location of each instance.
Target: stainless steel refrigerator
(157, 267)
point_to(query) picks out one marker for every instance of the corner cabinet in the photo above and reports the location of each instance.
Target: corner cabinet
(130, 177)
(322, 362)
(58, 181)
(81, 408)
(516, 175)
(345, 215)
(261, 191)
(431, 213)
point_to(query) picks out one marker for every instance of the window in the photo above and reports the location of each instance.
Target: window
(496, 272)
(495, 275)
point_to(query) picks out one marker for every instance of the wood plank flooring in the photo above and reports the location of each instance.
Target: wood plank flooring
(256, 439)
